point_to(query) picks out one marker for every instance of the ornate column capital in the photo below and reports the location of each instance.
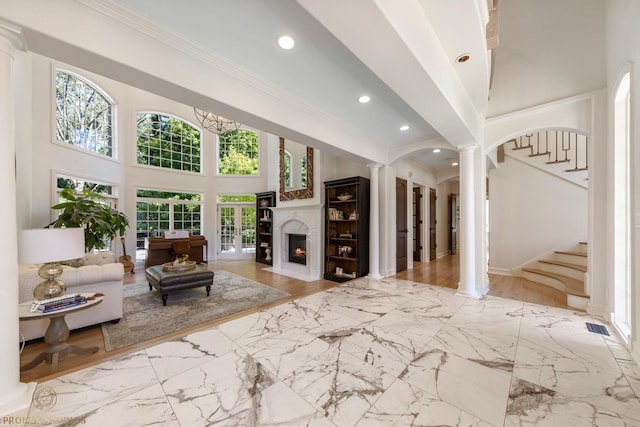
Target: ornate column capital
(467, 148)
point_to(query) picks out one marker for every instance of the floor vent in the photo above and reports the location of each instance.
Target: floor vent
(597, 329)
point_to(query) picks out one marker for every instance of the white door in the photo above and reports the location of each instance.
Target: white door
(236, 231)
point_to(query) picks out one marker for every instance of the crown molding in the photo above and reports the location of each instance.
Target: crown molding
(14, 36)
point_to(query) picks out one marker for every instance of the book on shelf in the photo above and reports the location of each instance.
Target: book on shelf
(335, 214)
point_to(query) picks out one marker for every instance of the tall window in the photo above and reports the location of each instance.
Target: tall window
(83, 115)
(238, 153)
(80, 184)
(622, 210)
(167, 142)
(159, 211)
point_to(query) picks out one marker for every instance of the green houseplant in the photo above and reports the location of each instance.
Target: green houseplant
(89, 210)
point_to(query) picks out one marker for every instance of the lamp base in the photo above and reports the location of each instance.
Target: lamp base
(50, 287)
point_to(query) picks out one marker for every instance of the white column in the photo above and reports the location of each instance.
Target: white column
(467, 285)
(14, 395)
(480, 182)
(374, 223)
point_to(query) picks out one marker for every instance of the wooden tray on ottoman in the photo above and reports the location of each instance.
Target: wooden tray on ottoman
(169, 266)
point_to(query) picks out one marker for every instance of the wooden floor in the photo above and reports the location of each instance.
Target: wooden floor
(442, 272)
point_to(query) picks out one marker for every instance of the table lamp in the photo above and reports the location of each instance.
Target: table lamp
(48, 246)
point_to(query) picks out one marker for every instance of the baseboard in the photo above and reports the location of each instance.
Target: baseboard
(598, 310)
(500, 271)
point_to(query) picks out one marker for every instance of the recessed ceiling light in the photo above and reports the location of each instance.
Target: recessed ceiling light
(403, 128)
(454, 164)
(436, 150)
(286, 42)
(463, 58)
(364, 99)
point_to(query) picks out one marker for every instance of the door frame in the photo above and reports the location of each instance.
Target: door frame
(402, 233)
(237, 253)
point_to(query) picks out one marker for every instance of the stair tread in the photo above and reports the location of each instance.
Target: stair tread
(564, 264)
(572, 286)
(572, 253)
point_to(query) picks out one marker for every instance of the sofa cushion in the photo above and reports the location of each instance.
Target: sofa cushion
(99, 258)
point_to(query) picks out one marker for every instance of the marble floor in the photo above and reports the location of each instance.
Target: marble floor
(367, 353)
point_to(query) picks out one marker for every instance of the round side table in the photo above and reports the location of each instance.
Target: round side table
(57, 333)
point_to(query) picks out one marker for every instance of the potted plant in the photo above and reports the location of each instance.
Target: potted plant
(89, 210)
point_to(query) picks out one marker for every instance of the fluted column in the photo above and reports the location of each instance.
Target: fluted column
(14, 395)
(467, 285)
(374, 226)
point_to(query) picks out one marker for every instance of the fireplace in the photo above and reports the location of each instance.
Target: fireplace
(304, 221)
(298, 248)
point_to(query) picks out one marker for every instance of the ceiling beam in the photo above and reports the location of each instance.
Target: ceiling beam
(397, 42)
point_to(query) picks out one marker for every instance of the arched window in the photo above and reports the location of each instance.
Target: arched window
(84, 114)
(168, 142)
(238, 153)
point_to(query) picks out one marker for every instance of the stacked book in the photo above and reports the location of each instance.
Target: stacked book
(335, 214)
(59, 303)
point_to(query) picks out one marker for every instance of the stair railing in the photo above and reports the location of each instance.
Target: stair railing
(559, 147)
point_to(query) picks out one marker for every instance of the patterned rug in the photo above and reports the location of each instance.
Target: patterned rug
(145, 317)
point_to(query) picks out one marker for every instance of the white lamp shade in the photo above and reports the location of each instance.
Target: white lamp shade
(42, 245)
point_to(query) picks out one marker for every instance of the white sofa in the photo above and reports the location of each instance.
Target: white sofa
(95, 273)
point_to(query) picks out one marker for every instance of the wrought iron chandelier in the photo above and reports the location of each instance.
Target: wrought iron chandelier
(214, 123)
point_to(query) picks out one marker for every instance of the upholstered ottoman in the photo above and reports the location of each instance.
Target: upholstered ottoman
(172, 281)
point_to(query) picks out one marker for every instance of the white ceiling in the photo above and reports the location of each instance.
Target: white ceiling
(324, 72)
(402, 53)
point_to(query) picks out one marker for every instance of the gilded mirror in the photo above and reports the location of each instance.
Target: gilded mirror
(296, 170)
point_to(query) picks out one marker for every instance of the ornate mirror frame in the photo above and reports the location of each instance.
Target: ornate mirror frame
(303, 193)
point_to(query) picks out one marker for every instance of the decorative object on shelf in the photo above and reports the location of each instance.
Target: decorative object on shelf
(344, 197)
(268, 252)
(264, 203)
(345, 251)
(353, 216)
(88, 210)
(48, 246)
(346, 235)
(214, 123)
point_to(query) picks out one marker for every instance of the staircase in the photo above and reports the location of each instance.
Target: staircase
(560, 153)
(565, 271)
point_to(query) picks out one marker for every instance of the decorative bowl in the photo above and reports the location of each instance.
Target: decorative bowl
(345, 197)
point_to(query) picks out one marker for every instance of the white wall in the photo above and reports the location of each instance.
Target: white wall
(531, 213)
(40, 157)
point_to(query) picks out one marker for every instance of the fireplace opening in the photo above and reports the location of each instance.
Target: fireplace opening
(298, 248)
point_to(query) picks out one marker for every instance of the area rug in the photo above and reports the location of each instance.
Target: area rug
(145, 317)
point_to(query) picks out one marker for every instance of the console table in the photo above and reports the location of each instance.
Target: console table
(57, 333)
(159, 250)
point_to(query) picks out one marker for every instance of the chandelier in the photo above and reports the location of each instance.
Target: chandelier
(214, 123)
